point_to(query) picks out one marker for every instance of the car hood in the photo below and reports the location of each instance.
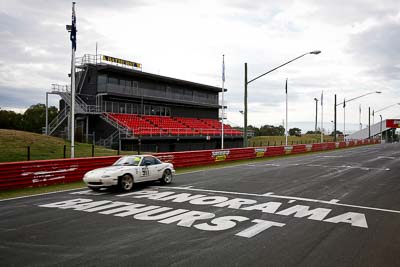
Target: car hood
(110, 170)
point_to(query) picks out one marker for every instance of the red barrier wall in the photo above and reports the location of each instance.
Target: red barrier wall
(47, 172)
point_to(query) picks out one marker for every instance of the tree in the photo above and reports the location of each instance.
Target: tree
(11, 120)
(313, 132)
(270, 130)
(295, 131)
(34, 118)
(254, 129)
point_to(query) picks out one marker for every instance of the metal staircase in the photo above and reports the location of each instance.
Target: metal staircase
(121, 132)
(58, 120)
(64, 91)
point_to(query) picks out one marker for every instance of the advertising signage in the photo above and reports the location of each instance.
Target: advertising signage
(393, 123)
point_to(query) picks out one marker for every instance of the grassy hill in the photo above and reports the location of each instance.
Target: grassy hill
(13, 147)
(278, 140)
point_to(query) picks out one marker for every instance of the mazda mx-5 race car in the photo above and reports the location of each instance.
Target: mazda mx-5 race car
(129, 170)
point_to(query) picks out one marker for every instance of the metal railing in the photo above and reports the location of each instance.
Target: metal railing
(80, 106)
(139, 92)
(99, 59)
(165, 132)
(123, 129)
(58, 120)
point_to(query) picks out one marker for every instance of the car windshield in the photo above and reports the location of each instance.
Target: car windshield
(128, 161)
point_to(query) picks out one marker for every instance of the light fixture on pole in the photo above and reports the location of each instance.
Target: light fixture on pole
(344, 107)
(387, 107)
(246, 82)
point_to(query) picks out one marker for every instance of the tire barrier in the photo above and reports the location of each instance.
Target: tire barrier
(37, 173)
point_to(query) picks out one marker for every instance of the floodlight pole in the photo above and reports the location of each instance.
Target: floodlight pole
(316, 52)
(73, 104)
(286, 128)
(47, 113)
(223, 103)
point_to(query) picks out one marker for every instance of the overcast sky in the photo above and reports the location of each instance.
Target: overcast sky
(359, 40)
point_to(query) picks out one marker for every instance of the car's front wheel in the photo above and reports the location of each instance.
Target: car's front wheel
(96, 189)
(167, 177)
(126, 182)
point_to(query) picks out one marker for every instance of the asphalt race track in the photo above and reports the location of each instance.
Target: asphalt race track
(339, 208)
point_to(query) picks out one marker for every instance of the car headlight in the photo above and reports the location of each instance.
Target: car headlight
(105, 176)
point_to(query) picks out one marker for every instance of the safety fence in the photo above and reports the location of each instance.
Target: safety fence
(46, 172)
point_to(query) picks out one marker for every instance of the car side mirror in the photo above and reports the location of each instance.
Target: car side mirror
(147, 163)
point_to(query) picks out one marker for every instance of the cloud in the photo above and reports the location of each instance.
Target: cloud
(377, 48)
(186, 40)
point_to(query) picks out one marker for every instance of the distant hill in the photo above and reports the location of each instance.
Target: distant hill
(13, 147)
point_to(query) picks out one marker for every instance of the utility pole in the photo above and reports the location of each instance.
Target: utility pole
(369, 123)
(245, 106)
(334, 119)
(316, 114)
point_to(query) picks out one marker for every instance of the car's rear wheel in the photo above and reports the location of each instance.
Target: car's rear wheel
(167, 177)
(126, 182)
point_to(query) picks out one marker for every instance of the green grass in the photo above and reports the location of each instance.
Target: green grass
(13, 147)
(278, 140)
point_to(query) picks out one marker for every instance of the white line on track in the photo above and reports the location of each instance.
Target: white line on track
(43, 194)
(331, 202)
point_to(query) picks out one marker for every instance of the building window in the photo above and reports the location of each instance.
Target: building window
(102, 79)
(113, 80)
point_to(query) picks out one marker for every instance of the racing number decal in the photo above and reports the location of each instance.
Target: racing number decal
(145, 171)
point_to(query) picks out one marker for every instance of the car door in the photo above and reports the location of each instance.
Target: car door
(148, 171)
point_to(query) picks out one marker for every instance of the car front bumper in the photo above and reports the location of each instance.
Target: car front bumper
(97, 182)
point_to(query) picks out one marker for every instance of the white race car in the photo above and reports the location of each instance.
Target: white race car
(129, 170)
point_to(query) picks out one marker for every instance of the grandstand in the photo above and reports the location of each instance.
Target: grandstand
(117, 104)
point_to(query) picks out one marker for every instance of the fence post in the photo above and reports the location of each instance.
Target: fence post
(28, 152)
(65, 151)
(92, 150)
(139, 146)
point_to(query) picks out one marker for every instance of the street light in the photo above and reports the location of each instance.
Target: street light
(344, 109)
(387, 107)
(374, 111)
(316, 113)
(316, 52)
